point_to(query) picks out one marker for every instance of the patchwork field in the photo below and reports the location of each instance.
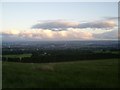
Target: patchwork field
(77, 74)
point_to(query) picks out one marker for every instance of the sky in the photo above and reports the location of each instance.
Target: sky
(41, 21)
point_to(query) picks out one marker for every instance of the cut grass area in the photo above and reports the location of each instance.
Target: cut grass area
(78, 74)
(17, 55)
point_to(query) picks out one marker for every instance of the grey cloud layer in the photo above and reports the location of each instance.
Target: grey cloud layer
(101, 25)
(57, 25)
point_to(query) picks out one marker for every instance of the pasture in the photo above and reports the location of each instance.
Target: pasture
(17, 55)
(75, 74)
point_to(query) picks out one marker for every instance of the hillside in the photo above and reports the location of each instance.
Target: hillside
(82, 74)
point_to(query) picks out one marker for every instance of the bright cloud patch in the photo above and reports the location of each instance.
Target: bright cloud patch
(70, 34)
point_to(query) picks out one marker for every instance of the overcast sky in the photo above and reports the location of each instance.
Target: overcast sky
(59, 21)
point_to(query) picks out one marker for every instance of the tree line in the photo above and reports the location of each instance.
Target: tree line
(45, 56)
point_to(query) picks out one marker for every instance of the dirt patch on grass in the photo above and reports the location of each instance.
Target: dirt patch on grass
(45, 68)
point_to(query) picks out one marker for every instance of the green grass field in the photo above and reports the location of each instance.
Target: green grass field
(17, 55)
(0, 74)
(82, 74)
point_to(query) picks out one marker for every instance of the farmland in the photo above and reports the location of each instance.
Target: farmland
(75, 64)
(17, 56)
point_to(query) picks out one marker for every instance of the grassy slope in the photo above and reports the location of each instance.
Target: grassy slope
(97, 73)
